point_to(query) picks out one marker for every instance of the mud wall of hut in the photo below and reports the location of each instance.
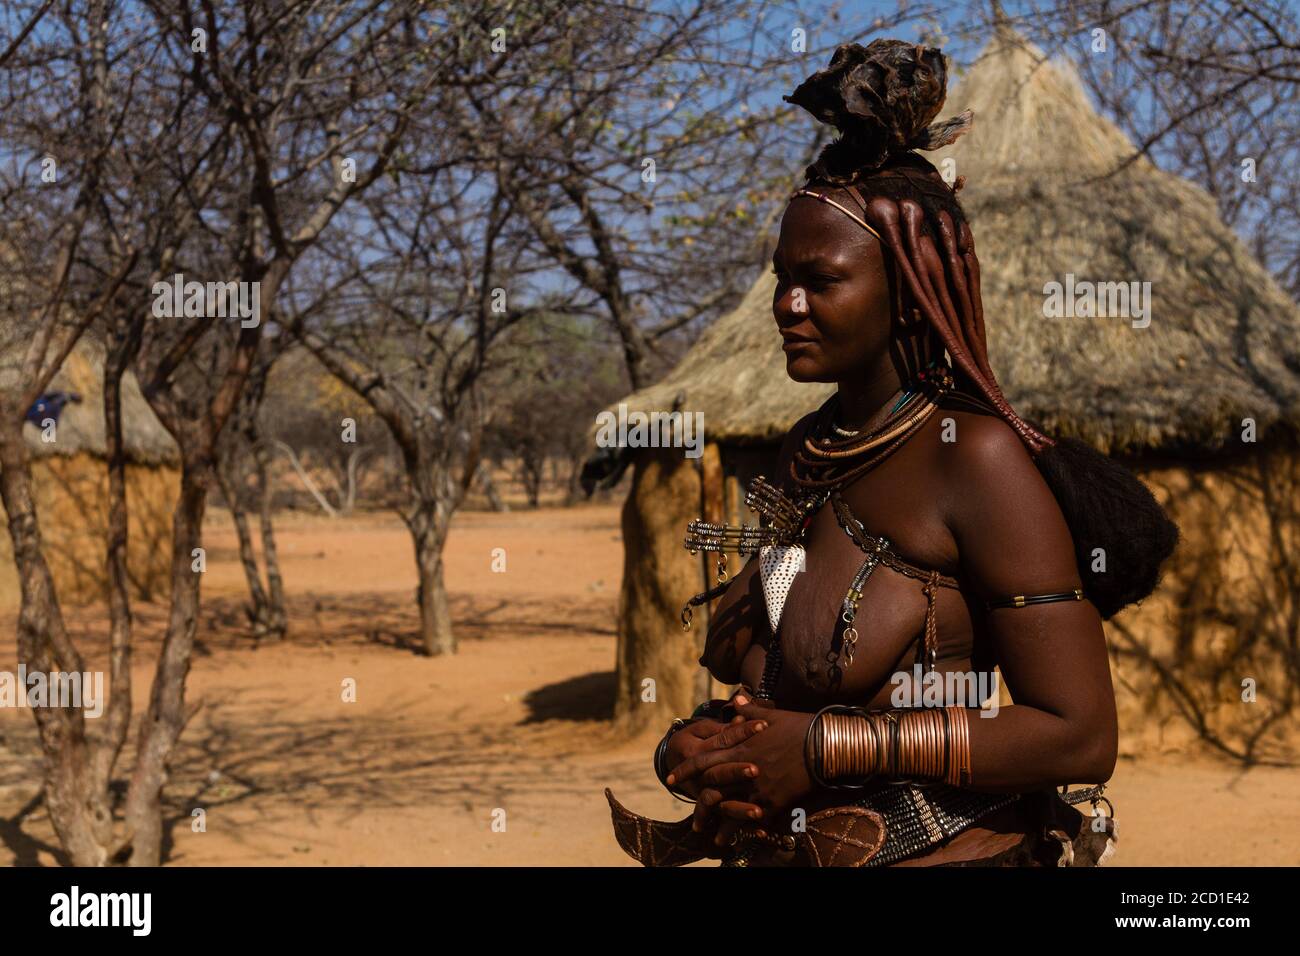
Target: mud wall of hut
(1214, 653)
(71, 502)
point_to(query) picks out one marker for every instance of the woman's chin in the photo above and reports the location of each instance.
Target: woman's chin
(802, 369)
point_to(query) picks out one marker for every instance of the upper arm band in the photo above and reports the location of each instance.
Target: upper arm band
(1024, 600)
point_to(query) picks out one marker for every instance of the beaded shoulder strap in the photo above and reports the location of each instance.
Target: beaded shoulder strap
(928, 642)
(869, 543)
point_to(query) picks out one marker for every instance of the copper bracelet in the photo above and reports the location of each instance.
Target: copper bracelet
(924, 744)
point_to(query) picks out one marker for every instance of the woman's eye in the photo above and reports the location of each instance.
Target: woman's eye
(813, 283)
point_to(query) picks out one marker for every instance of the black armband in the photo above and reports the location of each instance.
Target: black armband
(1025, 600)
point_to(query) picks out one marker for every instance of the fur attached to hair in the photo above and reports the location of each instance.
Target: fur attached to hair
(882, 100)
(1106, 506)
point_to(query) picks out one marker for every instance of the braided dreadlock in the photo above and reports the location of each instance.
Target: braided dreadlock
(881, 99)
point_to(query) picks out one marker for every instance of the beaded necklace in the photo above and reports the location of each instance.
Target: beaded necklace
(832, 457)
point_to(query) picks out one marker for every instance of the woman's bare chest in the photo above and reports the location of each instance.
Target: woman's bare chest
(850, 622)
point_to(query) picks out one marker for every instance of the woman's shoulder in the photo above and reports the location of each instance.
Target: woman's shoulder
(978, 444)
(987, 475)
(999, 506)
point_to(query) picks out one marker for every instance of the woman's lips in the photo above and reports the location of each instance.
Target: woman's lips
(793, 342)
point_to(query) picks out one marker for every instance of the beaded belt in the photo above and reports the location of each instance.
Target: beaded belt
(918, 817)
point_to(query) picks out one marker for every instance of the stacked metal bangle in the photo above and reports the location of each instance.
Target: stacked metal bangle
(660, 751)
(851, 744)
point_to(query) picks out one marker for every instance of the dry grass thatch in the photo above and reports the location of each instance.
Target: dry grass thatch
(1045, 199)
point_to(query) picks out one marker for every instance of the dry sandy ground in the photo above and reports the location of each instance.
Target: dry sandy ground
(512, 727)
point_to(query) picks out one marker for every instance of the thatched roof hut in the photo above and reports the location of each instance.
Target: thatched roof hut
(71, 486)
(1051, 192)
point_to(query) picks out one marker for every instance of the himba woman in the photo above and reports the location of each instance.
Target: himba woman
(916, 525)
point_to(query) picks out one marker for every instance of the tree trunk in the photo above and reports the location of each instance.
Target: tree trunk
(257, 609)
(428, 523)
(277, 615)
(119, 596)
(166, 716)
(494, 499)
(81, 816)
(534, 471)
(266, 613)
(659, 575)
(573, 485)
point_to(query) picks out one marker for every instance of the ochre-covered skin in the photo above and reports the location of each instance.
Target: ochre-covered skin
(973, 507)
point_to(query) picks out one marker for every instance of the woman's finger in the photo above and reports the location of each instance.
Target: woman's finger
(728, 831)
(704, 804)
(704, 729)
(702, 761)
(740, 811)
(716, 751)
(736, 733)
(727, 774)
(755, 709)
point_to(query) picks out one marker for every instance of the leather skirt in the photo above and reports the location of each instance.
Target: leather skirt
(891, 825)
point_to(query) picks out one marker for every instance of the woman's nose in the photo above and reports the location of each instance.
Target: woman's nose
(790, 304)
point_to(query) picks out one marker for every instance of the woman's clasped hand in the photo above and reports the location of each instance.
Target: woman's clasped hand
(744, 772)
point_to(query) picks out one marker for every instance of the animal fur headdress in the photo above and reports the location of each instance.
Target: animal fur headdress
(882, 98)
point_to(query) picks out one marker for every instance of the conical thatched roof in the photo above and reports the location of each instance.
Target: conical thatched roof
(1223, 341)
(81, 426)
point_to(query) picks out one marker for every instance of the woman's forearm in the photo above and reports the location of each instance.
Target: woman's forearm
(1019, 748)
(1024, 747)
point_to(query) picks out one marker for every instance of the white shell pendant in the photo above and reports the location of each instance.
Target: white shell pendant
(777, 565)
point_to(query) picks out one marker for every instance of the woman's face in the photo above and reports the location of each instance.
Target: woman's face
(832, 301)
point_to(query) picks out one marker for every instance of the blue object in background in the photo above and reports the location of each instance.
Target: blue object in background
(50, 405)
